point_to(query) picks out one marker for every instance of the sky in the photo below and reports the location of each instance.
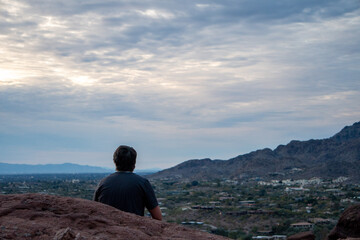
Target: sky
(176, 80)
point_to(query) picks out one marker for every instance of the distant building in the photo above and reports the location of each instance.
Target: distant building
(279, 237)
(248, 203)
(335, 191)
(274, 237)
(192, 223)
(295, 189)
(347, 200)
(320, 220)
(250, 212)
(340, 179)
(302, 225)
(262, 237)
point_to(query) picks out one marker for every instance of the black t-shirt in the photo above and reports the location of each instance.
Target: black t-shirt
(126, 191)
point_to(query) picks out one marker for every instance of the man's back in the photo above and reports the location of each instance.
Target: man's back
(126, 191)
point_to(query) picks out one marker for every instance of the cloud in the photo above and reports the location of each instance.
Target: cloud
(181, 78)
(156, 14)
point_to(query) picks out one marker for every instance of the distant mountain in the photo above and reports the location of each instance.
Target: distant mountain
(6, 168)
(326, 158)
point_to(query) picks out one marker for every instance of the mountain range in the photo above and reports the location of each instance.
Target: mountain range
(327, 158)
(7, 168)
(332, 157)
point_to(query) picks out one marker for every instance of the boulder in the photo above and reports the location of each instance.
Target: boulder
(348, 225)
(40, 216)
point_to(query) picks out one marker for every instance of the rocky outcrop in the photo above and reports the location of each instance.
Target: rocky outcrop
(38, 216)
(348, 226)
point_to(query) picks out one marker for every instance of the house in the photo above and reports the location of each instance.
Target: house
(302, 225)
(273, 237)
(320, 220)
(296, 189)
(248, 203)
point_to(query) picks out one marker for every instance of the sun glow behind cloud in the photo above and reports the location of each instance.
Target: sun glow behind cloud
(157, 14)
(9, 75)
(83, 80)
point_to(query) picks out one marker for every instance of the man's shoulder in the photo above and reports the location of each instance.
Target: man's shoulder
(125, 175)
(109, 176)
(139, 178)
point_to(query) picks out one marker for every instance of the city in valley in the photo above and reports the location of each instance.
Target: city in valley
(248, 209)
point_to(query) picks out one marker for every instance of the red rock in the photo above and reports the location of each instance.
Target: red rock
(38, 217)
(348, 225)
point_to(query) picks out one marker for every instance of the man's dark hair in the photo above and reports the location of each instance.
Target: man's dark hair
(125, 158)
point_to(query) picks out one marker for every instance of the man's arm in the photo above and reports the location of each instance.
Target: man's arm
(156, 213)
(96, 194)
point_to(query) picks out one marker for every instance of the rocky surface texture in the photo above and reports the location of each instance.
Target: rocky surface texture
(333, 157)
(348, 226)
(38, 216)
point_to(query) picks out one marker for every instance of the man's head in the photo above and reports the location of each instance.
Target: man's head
(125, 158)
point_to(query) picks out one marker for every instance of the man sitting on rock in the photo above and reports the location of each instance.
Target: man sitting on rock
(126, 190)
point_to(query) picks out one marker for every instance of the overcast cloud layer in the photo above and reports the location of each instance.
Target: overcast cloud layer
(174, 79)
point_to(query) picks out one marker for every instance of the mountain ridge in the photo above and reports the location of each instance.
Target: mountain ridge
(8, 168)
(331, 157)
(63, 168)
